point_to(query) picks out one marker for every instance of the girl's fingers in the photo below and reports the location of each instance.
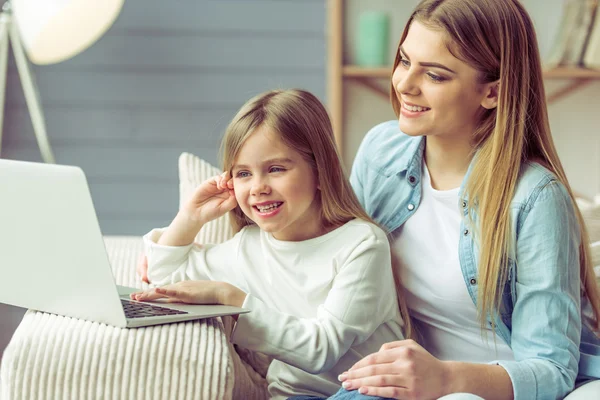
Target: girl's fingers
(148, 295)
(223, 181)
(230, 203)
(168, 292)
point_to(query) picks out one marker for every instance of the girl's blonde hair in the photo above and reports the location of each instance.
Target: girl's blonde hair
(498, 39)
(303, 124)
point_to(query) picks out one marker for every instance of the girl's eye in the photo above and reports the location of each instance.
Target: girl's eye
(242, 174)
(405, 63)
(436, 78)
(276, 169)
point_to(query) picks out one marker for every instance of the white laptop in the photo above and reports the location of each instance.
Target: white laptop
(52, 254)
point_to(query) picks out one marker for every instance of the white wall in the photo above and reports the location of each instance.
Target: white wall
(574, 119)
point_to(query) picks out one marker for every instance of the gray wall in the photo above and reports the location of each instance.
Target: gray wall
(166, 78)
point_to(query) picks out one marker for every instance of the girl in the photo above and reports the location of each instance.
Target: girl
(307, 261)
(495, 256)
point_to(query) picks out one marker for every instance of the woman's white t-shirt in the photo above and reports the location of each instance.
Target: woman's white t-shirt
(437, 298)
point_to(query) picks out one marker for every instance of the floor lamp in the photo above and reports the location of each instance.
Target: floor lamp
(49, 31)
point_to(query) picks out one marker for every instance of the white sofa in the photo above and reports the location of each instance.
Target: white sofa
(52, 356)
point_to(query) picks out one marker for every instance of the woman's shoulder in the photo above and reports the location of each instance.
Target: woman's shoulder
(537, 182)
(386, 145)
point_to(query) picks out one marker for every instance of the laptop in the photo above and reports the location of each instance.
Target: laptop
(53, 258)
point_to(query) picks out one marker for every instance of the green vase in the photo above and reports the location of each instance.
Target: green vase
(372, 42)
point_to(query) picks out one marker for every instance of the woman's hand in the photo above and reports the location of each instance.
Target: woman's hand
(213, 198)
(195, 292)
(399, 370)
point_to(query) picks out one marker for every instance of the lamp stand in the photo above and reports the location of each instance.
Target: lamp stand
(8, 31)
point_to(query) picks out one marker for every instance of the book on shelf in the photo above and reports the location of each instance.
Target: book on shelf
(572, 38)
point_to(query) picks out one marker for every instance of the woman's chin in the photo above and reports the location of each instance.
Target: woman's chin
(409, 128)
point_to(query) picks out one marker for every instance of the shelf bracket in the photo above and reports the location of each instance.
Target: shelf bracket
(574, 85)
(374, 87)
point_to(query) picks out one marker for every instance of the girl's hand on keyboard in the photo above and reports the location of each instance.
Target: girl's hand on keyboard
(195, 292)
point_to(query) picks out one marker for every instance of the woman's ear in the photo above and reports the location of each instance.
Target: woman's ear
(490, 99)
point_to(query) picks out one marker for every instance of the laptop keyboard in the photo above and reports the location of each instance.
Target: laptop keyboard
(140, 310)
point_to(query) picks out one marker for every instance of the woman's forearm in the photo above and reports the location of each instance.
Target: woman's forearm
(491, 382)
(180, 232)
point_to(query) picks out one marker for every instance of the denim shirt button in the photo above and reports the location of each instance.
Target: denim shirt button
(464, 204)
(411, 207)
(412, 179)
(473, 281)
(466, 232)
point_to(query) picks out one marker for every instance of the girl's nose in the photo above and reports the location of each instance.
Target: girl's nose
(260, 187)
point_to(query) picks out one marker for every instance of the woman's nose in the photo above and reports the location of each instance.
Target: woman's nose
(406, 82)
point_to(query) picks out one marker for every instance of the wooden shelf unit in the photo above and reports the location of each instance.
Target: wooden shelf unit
(338, 73)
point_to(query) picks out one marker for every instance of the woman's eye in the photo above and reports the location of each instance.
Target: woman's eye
(276, 169)
(405, 63)
(436, 78)
(242, 174)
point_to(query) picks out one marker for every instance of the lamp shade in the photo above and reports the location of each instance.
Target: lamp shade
(55, 30)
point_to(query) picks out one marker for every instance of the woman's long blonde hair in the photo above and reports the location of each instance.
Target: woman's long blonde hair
(497, 38)
(303, 124)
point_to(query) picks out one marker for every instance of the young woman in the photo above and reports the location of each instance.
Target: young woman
(494, 254)
(307, 261)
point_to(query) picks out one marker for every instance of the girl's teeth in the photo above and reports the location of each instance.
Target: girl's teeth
(268, 208)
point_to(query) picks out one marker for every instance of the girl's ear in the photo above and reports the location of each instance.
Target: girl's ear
(491, 95)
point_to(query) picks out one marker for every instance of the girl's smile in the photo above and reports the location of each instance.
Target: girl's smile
(267, 209)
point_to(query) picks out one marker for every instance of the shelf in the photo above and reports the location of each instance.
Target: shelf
(572, 73)
(354, 71)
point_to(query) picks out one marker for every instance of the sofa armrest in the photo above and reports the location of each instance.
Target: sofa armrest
(52, 356)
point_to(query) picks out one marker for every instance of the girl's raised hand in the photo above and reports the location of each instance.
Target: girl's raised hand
(213, 198)
(399, 370)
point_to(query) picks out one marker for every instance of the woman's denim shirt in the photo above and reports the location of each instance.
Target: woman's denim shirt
(540, 317)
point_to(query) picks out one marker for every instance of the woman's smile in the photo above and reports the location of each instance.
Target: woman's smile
(412, 111)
